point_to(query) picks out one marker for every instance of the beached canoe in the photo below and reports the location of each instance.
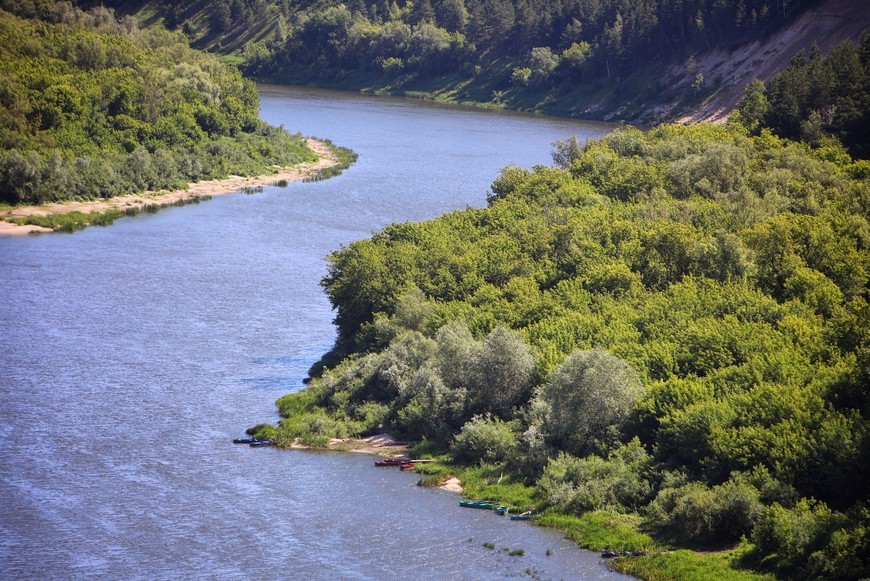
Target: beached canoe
(392, 462)
(478, 504)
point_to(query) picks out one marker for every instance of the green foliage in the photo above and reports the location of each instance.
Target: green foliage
(600, 529)
(619, 483)
(815, 98)
(93, 107)
(810, 541)
(485, 439)
(693, 513)
(689, 566)
(671, 323)
(587, 397)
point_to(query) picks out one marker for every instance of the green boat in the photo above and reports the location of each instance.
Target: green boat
(502, 510)
(478, 504)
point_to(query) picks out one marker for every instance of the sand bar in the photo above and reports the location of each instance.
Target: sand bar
(228, 185)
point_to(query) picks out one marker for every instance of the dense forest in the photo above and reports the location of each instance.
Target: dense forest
(816, 97)
(666, 328)
(92, 107)
(640, 61)
(671, 324)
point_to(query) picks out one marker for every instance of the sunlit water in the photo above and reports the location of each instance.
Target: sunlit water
(131, 355)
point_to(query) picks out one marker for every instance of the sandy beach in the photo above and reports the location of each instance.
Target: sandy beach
(228, 185)
(382, 445)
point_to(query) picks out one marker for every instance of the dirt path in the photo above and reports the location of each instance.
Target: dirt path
(204, 188)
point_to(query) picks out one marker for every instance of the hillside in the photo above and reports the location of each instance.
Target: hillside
(825, 25)
(644, 62)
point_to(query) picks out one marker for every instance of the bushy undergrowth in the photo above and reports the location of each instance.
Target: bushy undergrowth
(94, 107)
(672, 326)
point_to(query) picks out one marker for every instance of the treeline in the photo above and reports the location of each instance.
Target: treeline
(91, 106)
(816, 97)
(506, 51)
(556, 38)
(671, 324)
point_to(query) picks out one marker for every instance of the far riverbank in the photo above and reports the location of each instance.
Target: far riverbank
(134, 203)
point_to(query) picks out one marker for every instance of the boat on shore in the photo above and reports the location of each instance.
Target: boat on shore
(484, 504)
(392, 462)
(245, 440)
(261, 443)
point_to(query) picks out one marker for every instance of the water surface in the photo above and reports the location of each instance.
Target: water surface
(131, 356)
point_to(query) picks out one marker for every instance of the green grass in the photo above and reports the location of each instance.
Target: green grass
(688, 565)
(601, 530)
(72, 221)
(493, 483)
(346, 158)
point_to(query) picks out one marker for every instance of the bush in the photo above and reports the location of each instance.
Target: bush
(578, 485)
(811, 541)
(486, 439)
(694, 513)
(591, 393)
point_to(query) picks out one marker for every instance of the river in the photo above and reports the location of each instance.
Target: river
(131, 355)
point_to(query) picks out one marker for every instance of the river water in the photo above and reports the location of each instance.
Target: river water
(131, 355)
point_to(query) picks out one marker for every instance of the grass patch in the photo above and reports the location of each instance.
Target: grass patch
(346, 158)
(73, 221)
(601, 530)
(495, 483)
(688, 566)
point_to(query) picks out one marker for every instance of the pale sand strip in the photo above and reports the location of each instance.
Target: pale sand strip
(204, 188)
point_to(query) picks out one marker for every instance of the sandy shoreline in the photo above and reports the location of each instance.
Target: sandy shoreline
(228, 185)
(382, 445)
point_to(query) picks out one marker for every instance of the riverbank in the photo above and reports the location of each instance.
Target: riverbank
(13, 220)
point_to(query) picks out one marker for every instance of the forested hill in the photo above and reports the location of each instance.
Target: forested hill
(646, 60)
(94, 107)
(669, 331)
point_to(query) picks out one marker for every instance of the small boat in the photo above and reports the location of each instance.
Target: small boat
(407, 466)
(524, 516)
(261, 443)
(245, 440)
(392, 462)
(609, 553)
(502, 510)
(478, 504)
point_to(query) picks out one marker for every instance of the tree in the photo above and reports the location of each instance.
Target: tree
(591, 393)
(503, 373)
(752, 110)
(566, 151)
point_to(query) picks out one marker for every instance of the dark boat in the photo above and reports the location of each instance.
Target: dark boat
(261, 443)
(245, 440)
(609, 553)
(502, 510)
(392, 462)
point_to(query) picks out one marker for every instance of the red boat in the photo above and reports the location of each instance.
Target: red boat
(407, 466)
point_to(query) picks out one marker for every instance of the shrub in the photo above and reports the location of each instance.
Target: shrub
(619, 483)
(485, 439)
